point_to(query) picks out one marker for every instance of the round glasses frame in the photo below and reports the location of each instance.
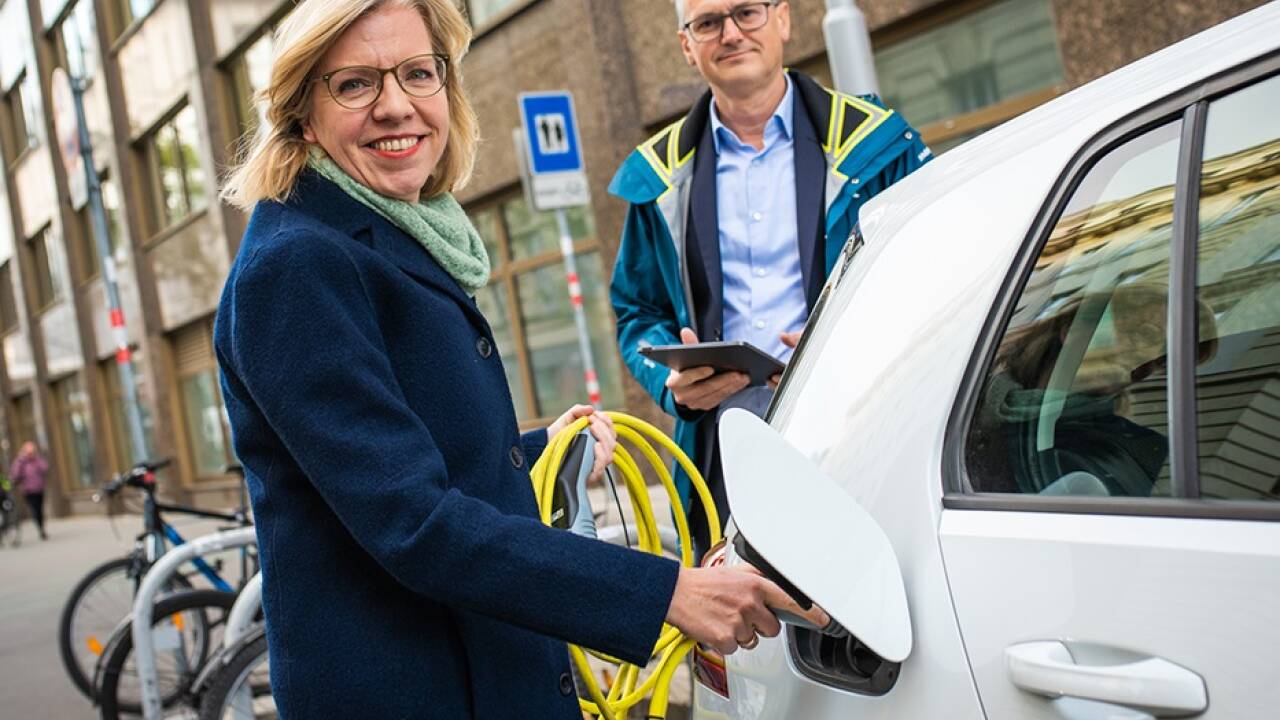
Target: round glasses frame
(442, 62)
(720, 19)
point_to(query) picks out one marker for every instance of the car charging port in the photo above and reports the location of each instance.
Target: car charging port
(843, 662)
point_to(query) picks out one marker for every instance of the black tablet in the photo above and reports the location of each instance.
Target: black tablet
(738, 356)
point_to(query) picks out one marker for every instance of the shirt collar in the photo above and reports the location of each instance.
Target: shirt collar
(779, 123)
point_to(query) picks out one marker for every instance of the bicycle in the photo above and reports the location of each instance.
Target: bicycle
(104, 596)
(10, 515)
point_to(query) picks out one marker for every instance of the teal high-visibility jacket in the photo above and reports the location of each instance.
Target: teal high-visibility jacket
(667, 273)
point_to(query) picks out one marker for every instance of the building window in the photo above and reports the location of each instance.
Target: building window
(86, 242)
(77, 40)
(250, 73)
(121, 444)
(956, 80)
(207, 431)
(177, 177)
(965, 73)
(130, 11)
(8, 301)
(527, 305)
(50, 263)
(24, 421)
(19, 122)
(482, 11)
(75, 435)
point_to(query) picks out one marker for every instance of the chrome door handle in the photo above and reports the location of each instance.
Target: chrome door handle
(1149, 684)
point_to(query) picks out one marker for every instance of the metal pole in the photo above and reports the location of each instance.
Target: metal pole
(579, 314)
(98, 217)
(144, 649)
(853, 67)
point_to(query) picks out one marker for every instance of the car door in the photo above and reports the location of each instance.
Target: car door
(1111, 533)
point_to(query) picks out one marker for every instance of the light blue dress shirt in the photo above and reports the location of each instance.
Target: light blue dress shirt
(759, 253)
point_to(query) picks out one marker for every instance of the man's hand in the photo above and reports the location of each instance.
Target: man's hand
(790, 339)
(701, 388)
(727, 607)
(601, 429)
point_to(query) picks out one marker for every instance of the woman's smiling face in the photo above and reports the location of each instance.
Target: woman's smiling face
(393, 145)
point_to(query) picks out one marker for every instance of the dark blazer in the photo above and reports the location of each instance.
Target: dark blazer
(405, 572)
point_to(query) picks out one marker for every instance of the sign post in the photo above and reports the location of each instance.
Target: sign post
(77, 158)
(555, 178)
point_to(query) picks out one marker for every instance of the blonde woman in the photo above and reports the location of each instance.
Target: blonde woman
(406, 575)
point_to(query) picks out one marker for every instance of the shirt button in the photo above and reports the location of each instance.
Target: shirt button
(759, 324)
(517, 456)
(566, 684)
(484, 347)
(761, 272)
(757, 216)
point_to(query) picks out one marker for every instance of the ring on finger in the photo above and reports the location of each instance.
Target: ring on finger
(750, 644)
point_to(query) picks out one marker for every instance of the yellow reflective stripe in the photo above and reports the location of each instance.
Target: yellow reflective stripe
(829, 144)
(674, 146)
(646, 152)
(875, 116)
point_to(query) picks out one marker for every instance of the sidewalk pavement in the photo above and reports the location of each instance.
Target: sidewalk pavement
(36, 578)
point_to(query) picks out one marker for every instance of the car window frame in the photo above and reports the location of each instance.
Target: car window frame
(1189, 104)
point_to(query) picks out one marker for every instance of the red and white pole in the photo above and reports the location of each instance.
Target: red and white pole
(579, 312)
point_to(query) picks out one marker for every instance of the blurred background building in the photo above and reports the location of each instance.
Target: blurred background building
(169, 96)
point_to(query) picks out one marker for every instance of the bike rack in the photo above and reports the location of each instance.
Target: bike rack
(240, 620)
(144, 651)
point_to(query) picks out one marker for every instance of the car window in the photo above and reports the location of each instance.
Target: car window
(1075, 400)
(1238, 282)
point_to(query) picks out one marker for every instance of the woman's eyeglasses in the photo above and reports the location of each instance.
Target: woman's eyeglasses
(360, 86)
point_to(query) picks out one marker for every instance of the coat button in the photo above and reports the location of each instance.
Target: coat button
(517, 456)
(484, 347)
(566, 684)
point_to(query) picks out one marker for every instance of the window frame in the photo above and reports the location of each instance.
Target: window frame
(9, 319)
(62, 54)
(208, 365)
(18, 138)
(63, 443)
(507, 270)
(159, 226)
(1189, 104)
(43, 266)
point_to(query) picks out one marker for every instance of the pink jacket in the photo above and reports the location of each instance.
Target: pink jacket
(28, 473)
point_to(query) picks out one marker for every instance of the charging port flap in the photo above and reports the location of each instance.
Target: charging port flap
(814, 535)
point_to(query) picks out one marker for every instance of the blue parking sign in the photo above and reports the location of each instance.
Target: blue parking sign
(551, 132)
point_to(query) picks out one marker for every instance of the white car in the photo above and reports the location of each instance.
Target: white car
(1028, 452)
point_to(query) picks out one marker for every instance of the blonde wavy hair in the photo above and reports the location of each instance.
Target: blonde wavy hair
(271, 161)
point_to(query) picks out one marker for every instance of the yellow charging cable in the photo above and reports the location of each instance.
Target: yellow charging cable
(627, 689)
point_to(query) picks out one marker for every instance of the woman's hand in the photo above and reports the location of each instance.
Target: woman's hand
(725, 608)
(601, 429)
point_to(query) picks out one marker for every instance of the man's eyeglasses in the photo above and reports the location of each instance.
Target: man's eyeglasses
(360, 86)
(747, 16)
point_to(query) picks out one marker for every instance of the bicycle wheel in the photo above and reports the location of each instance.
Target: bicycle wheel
(186, 626)
(97, 605)
(241, 689)
(9, 522)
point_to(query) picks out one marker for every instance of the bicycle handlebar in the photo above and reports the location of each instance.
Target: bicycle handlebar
(141, 476)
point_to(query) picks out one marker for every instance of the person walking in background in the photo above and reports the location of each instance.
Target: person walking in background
(28, 475)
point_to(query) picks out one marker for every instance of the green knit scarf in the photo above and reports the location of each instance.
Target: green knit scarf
(439, 223)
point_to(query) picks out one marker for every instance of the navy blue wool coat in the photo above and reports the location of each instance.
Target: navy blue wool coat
(405, 572)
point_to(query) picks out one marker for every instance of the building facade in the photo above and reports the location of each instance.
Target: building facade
(169, 95)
